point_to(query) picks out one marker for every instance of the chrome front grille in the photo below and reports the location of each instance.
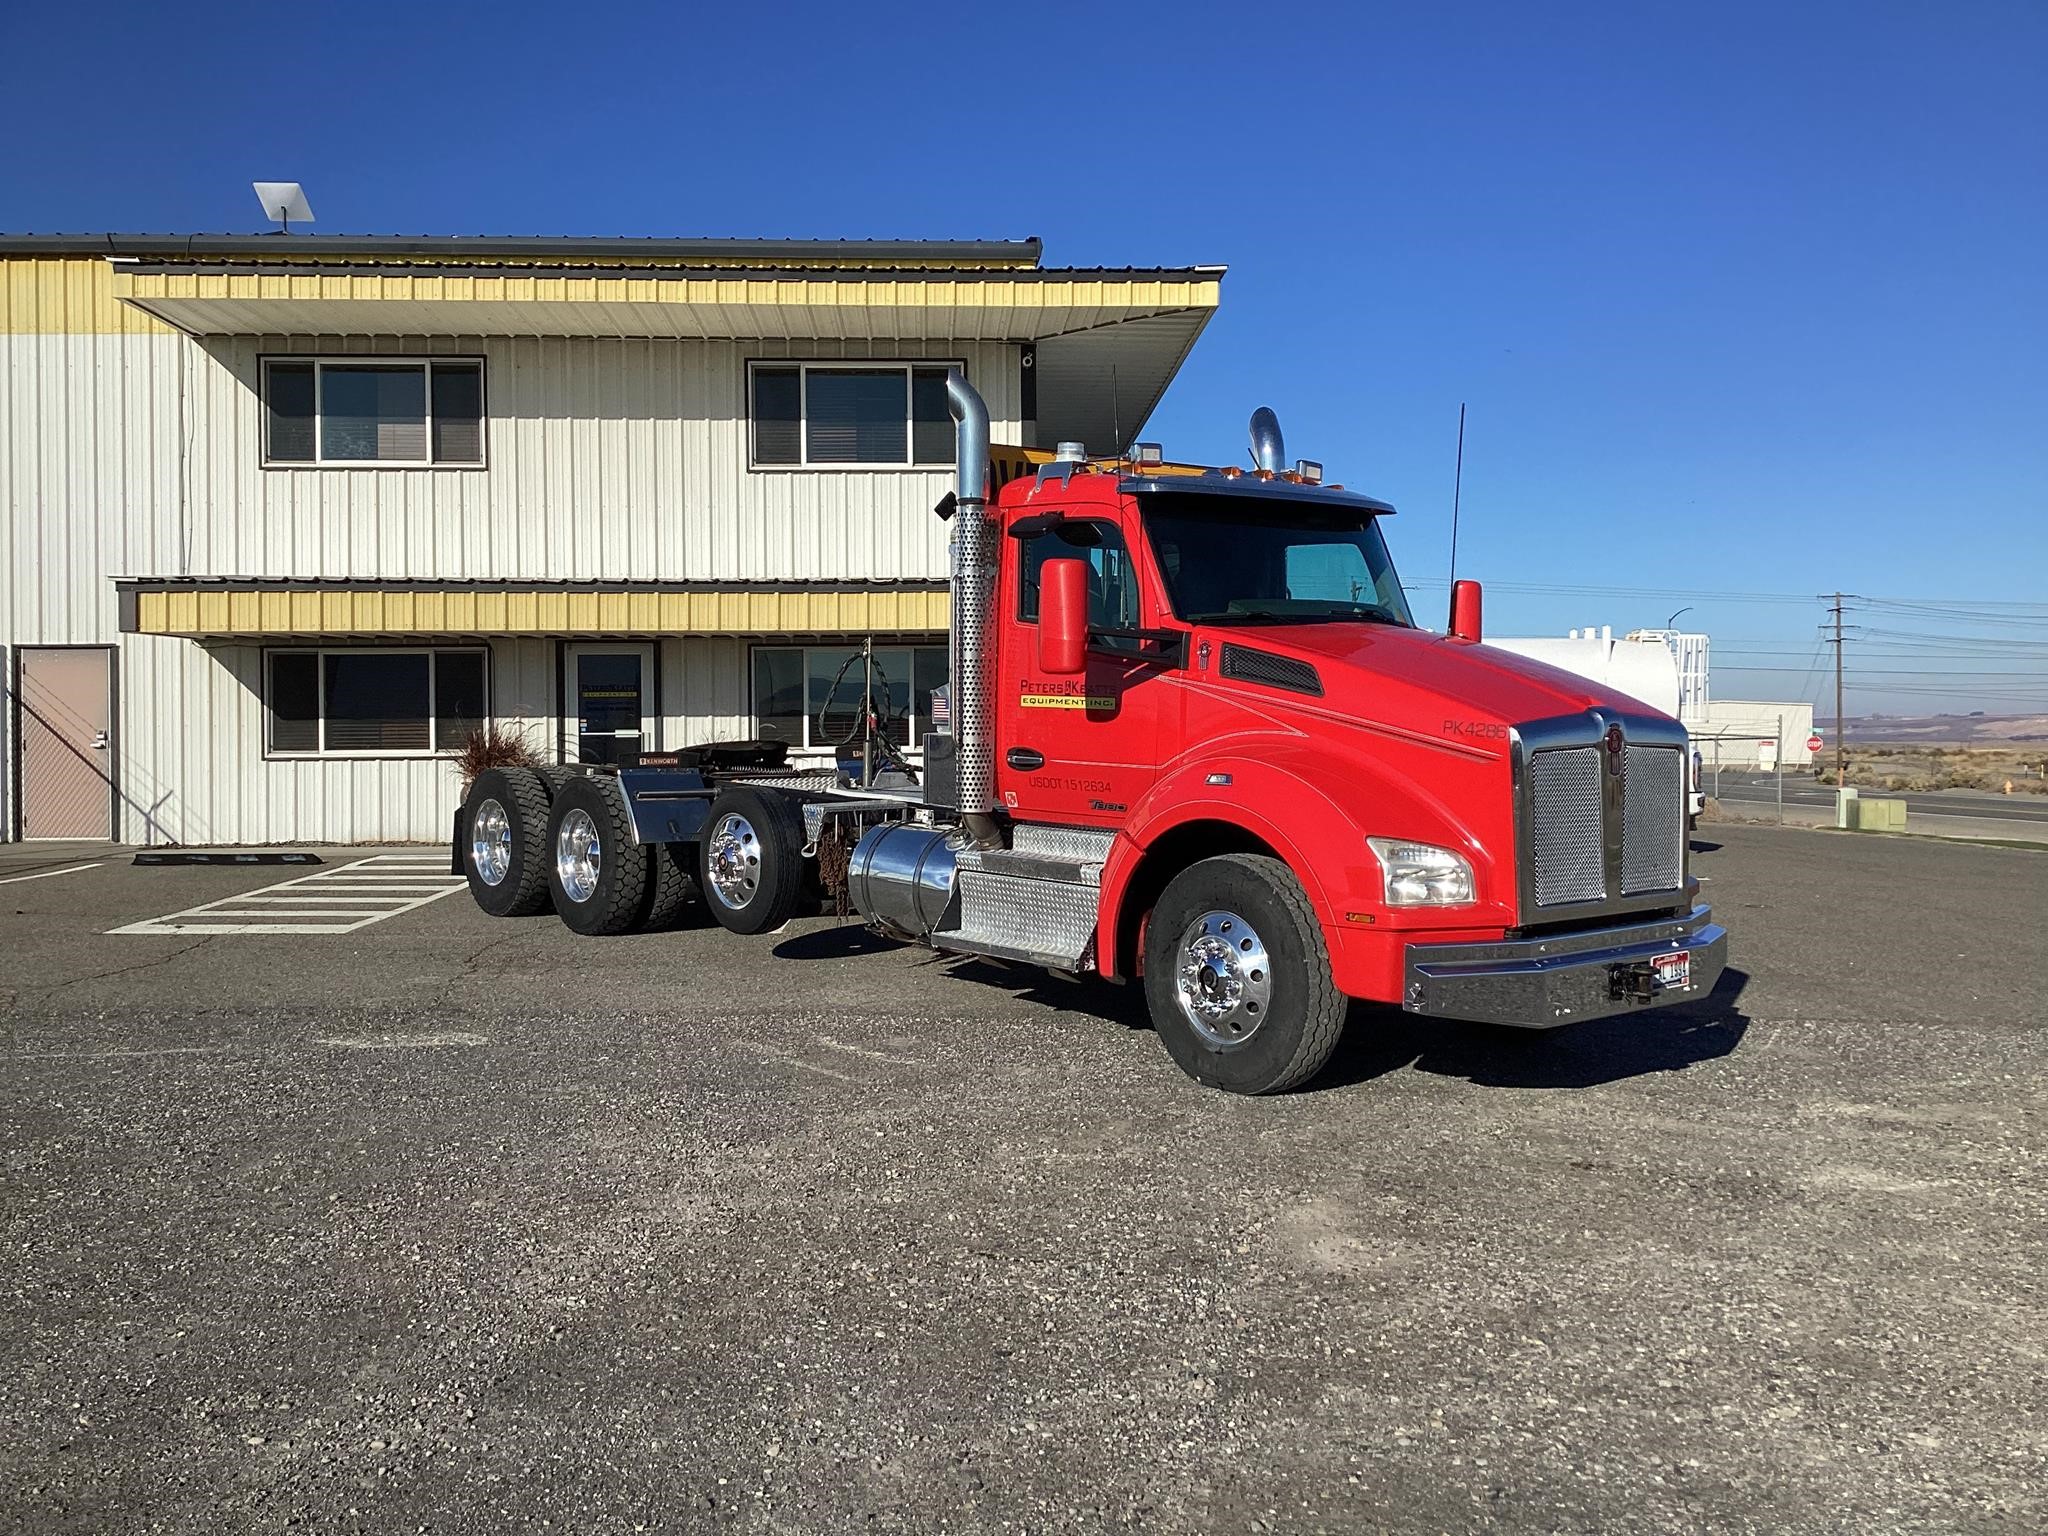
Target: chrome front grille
(1652, 820)
(1602, 814)
(1566, 844)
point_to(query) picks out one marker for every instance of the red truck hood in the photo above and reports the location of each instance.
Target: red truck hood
(1423, 681)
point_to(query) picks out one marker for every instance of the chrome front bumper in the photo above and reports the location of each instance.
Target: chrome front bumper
(1544, 982)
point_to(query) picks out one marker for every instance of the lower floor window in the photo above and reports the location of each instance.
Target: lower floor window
(811, 696)
(380, 703)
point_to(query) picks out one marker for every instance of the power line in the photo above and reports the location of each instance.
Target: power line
(2017, 677)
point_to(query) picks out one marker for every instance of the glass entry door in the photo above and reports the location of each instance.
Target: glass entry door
(610, 713)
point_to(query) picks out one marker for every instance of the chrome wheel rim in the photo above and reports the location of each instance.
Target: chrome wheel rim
(578, 856)
(733, 860)
(1223, 979)
(490, 843)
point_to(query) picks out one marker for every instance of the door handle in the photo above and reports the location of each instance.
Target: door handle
(1024, 759)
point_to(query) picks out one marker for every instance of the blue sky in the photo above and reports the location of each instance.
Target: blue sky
(1743, 298)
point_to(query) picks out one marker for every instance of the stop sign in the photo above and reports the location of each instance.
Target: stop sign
(1813, 742)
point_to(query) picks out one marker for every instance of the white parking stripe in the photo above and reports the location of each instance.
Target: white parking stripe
(49, 874)
(366, 891)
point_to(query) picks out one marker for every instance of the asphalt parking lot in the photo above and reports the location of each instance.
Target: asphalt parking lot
(459, 1225)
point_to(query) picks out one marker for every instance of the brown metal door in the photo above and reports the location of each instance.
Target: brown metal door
(66, 724)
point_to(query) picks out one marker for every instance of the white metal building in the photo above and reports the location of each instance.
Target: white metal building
(1667, 669)
(1756, 733)
(288, 516)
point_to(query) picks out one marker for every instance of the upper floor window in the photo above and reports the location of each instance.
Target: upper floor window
(373, 411)
(890, 415)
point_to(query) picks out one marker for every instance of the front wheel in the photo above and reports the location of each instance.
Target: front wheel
(1237, 976)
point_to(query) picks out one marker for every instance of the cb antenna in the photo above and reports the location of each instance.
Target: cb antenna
(1457, 491)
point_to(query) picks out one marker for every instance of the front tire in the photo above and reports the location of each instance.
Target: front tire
(1237, 976)
(596, 872)
(750, 862)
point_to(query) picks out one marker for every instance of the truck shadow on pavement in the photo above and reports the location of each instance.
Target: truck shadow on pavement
(1379, 1039)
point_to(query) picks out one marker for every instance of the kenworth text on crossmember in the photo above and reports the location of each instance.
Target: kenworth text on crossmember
(1196, 742)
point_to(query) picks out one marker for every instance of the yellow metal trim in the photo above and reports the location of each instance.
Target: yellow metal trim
(67, 296)
(205, 611)
(913, 290)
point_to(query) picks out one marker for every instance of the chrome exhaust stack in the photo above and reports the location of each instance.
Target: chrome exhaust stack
(974, 568)
(1269, 449)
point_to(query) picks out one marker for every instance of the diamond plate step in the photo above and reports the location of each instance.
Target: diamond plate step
(1048, 922)
(1080, 845)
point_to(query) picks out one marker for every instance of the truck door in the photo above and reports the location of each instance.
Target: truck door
(1078, 750)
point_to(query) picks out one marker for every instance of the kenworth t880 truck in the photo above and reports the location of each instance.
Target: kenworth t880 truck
(1197, 742)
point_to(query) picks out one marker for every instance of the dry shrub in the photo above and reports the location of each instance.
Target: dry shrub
(492, 746)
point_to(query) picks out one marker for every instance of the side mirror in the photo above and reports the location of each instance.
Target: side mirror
(1063, 617)
(1465, 623)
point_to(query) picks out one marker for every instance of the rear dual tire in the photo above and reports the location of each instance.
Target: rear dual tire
(597, 874)
(750, 862)
(506, 819)
(602, 880)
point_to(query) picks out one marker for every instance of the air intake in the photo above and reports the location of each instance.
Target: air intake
(1249, 666)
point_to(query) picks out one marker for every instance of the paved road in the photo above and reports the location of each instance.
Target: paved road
(1759, 789)
(474, 1226)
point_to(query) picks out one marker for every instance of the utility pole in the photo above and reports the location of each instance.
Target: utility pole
(1840, 730)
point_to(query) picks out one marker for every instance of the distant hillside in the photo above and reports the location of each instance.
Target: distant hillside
(1941, 730)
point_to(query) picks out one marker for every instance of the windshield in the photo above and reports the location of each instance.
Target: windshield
(1229, 559)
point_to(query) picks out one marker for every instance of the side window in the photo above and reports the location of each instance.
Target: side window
(1112, 584)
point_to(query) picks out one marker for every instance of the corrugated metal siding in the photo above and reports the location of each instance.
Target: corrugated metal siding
(194, 770)
(90, 470)
(610, 459)
(621, 459)
(67, 295)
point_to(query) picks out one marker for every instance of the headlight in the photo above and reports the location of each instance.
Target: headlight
(1418, 875)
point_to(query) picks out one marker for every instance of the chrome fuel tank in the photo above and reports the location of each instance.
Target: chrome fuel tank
(901, 878)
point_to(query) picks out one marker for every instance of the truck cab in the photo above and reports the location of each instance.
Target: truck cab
(1477, 835)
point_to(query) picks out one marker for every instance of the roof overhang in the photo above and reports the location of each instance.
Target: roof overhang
(256, 609)
(392, 299)
(1109, 340)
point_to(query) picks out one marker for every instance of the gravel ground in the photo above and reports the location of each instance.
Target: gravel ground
(461, 1226)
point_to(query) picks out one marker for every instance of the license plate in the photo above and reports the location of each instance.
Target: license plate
(1672, 971)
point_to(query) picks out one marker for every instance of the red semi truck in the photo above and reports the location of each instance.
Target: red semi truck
(1197, 742)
